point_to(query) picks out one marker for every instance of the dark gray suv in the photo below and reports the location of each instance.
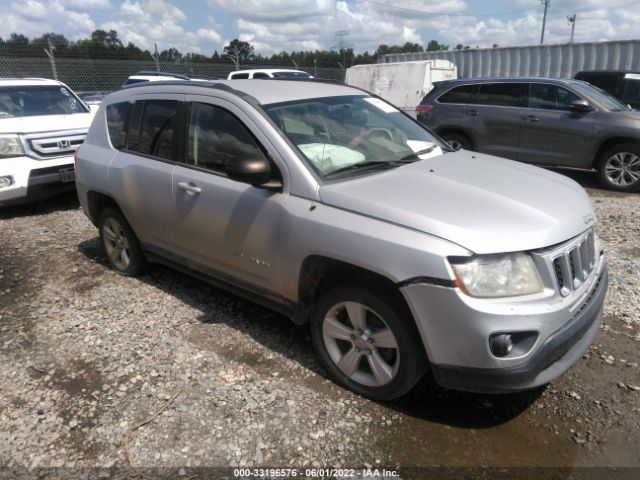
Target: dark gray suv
(544, 121)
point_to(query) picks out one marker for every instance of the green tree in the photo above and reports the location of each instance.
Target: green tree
(434, 46)
(17, 39)
(57, 40)
(238, 51)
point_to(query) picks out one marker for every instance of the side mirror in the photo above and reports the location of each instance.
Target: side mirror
(254, 171)
(580, 106)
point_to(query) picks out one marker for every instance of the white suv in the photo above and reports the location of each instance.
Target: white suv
(42, 123)
(269, 73)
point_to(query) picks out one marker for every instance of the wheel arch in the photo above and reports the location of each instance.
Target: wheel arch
(98, 201)
(457, 130)
(319, 273)
(610, 143)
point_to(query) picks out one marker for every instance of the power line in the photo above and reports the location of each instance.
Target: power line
(413, 10)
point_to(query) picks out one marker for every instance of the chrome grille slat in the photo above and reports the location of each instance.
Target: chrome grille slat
(43, 146)
(573, 263)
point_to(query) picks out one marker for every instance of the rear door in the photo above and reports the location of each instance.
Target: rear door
(447, 109)
(140, 177)
(494, 118)
(551, 133)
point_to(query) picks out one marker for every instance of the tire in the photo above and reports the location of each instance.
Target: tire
(458, 141)
(343, 352)
(619, 168)
(120, 244)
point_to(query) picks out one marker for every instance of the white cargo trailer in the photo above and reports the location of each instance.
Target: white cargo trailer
(403, 84)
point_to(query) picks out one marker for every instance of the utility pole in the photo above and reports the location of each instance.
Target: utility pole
(572, 21)
(52, 59)
(156, 57)
(544, 18)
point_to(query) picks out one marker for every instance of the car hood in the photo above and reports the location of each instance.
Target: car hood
(483, 203)
(46, 123)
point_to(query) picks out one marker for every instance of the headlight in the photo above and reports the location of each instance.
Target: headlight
(10, 146)
(502, 275)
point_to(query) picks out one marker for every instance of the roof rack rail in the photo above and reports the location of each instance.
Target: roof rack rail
(154, 73)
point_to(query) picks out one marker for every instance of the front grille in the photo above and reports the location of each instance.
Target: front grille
(54, 144)
(574, 263)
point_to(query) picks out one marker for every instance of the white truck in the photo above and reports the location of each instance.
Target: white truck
(403, 84)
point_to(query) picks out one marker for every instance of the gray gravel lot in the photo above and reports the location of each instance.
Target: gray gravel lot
(87, 355)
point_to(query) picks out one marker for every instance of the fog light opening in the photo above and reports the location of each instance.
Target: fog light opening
(501, 345)
(6, 181)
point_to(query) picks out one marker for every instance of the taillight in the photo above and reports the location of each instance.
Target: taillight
(424, 108)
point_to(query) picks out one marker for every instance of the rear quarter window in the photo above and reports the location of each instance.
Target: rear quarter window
(502, 94)
(117, 116)
(461, 94)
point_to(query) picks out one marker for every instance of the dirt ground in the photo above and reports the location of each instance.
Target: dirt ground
(87, 355)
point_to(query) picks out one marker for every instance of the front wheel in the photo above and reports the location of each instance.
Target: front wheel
(619, 168)
(457, 141)
(367, 343)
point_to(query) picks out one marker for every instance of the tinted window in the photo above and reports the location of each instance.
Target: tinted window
(631, 90)
(260, 75)
(131, 81)
(217, 138)
(291, 75)
(156, 130)
(239, 76)
(608, 83)
(550, 97)
(460, 94)
(502, 94)
(28, 101)
(116, 123)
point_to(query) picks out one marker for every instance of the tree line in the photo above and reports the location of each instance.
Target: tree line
(104, 43)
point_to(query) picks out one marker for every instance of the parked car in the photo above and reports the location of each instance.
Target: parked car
(402, 255)
(268, 73)
(548, 122)
(42, 122)
(624, 85)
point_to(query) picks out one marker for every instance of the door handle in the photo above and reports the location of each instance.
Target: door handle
(190, 188)
(473, 113)
(531, 118)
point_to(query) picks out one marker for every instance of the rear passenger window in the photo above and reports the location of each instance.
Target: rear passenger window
(240, 76)
(461, 94)
(216, 138)
(260, 75)
(502, 94)
(155, 134)
(550, 97)
(117, 114)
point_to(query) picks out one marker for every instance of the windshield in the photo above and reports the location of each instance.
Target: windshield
(28, 101)
(342, 134)
(600, 96)
(291, 75)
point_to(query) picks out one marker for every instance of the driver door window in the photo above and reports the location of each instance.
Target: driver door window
(217, 138)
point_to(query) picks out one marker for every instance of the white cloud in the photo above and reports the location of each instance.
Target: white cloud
(87, 5)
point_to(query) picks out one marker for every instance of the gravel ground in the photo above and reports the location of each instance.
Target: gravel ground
(86, 356)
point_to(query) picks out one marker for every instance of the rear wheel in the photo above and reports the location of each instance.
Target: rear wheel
(457, 141)
(120, 244)
(366, 343)
(619, 168)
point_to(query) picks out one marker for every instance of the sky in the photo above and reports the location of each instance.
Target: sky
(203, 26)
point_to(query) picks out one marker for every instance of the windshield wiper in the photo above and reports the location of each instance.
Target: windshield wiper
(362, 166)
(418, 153)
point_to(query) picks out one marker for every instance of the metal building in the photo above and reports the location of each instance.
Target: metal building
(559, 60)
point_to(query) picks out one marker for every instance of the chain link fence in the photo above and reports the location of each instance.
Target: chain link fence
(93, 75)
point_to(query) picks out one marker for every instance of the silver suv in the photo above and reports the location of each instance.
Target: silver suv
(334, 208)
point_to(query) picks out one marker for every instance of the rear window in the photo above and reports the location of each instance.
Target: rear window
(153, 128)
(29, 101)
(502, 94)
(239, 76)
(117, 123)
(291, 75)
(461, 94)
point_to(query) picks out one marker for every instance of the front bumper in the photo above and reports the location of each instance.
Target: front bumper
(35, 179)
(456, 336)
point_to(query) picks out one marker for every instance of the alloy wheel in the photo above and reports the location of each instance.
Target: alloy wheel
(361, 344)
(623, 169)
(116, 244)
